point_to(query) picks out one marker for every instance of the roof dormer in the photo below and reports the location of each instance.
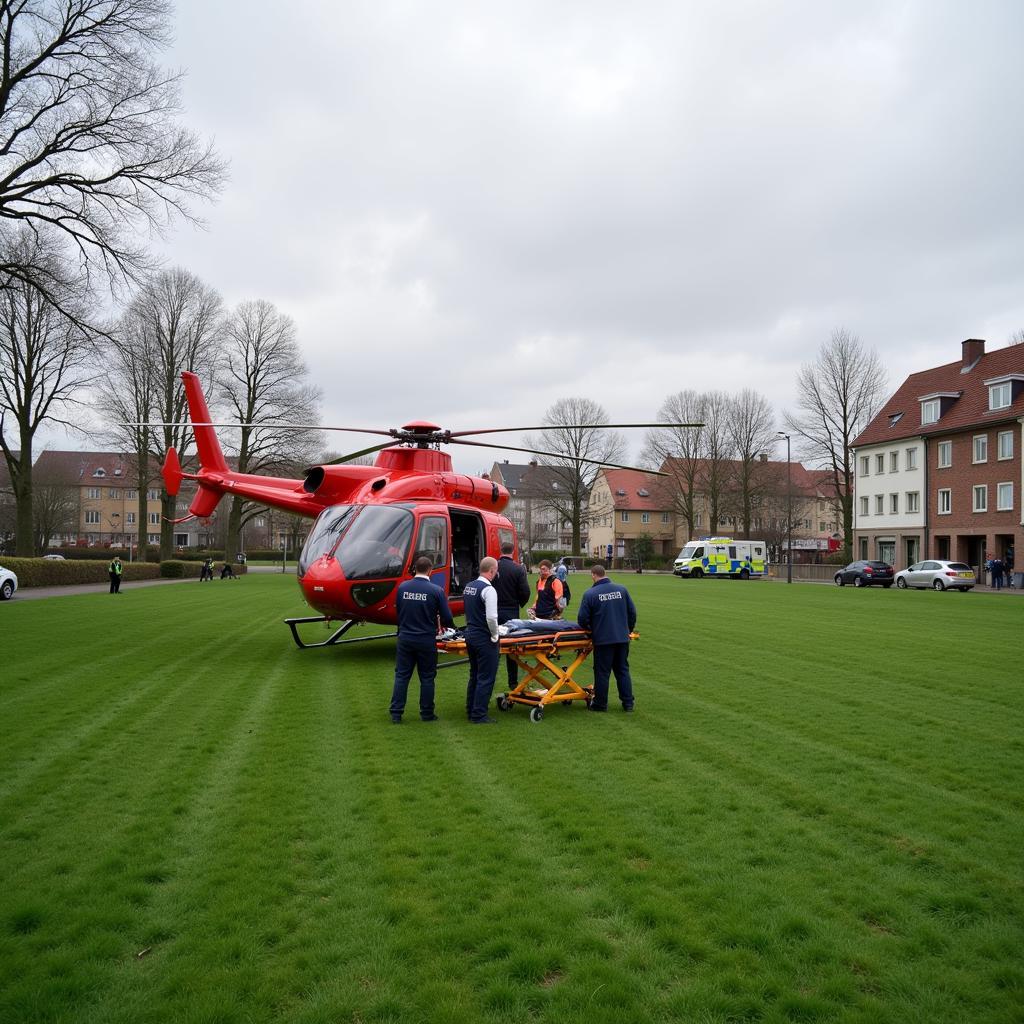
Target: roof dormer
(936, 405)
(1003, 390)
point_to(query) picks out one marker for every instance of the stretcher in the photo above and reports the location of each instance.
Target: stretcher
(546, 682)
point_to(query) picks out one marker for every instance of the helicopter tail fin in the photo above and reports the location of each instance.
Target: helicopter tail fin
(210, 454)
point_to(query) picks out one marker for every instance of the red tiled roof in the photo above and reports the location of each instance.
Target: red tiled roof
(631, 482)
(968, 412)
(808, 482)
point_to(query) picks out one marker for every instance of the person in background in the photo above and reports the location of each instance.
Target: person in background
(481, 604)
(1008, 563)
(608, 612)
(549, 593)
(114, 570)
(513, 590)
(421, 605)
(997, 573)
(227, 573)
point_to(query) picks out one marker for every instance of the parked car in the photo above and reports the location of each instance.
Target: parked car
(865, 574)
(8, 584)
(54, 558)
(937, 574)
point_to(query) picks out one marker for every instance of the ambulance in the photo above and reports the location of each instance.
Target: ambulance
(722, 556)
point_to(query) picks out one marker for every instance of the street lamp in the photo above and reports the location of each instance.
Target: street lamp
(789, 509)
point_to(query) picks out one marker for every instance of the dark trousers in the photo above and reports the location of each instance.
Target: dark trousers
(504, 614)
(423, 658)
(610, 658)
(115, 583)
(483, 667)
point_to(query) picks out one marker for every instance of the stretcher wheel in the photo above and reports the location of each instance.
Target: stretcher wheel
(536, 714)
(503, 702)
(589, 701)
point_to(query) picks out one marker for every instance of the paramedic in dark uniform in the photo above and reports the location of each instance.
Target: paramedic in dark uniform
(420, 604)
(608, 612)
(481, 603)
(513, 589)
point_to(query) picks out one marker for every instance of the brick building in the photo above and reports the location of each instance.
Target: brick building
(939, 467)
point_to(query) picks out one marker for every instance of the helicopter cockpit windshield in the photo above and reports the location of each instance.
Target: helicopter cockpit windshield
(369, 542)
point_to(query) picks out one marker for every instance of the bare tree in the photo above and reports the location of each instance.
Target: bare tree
(718, 448)
(751, 424)
(46, 358)
(1017, 338)
(90, 144)
(837, 396)
(584, 438)
(55, 508)
(173, 323)
(680, 452)
(262, 380)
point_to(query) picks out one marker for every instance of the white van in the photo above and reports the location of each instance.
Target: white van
(722, 556)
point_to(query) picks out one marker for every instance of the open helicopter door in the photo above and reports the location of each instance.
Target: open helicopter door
(468, 547)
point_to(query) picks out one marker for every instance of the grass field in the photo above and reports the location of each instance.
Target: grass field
(814, 815)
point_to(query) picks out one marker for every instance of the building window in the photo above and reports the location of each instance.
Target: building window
(154, 518)
(699, 519)
(131, 519)
(1005, 444)
(981, 448)
(913, 501)
(115, 492)
(154, 538)
(879, 504)
(152, 495)
(945, 501)
(999, 396)
(131, 494)
(894, 462)
(821, 526)
(625, 517)
(865, 465)
(92, 518)
(864, 548)
(945, 454)
(894, 504)
(911, 458)
(981, 497)
(645, 517)
(879, 463)
(1004, 497)
(92, 492)
(864, 506)
(664, 517)
(930, 412)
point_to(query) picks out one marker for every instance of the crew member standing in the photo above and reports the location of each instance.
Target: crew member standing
(481, 641)
(549, 593)
(513, 590)
(420, 605)
(114, 570)
(608, 612)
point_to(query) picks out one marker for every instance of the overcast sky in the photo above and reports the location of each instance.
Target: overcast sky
(471, 209)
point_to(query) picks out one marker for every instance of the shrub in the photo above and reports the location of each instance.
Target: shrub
(178, 569)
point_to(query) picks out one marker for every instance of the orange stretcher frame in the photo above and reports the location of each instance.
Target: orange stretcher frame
(538, 654)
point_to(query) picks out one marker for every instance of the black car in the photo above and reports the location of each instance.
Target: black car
(865, 574)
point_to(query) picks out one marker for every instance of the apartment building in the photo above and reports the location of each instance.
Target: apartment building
(625, 505)
(939, 467)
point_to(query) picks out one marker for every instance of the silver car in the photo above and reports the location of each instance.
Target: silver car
(937, 574)
(8, 584)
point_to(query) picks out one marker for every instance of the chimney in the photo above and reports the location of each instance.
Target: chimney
(764, 456)
(973, 349)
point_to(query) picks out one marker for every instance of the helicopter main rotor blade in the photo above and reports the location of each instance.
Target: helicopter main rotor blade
(570, 426)
(568, 458)
(355, 455)
(263, 426)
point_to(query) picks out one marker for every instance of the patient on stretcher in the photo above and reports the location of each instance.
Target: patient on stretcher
(524, 627)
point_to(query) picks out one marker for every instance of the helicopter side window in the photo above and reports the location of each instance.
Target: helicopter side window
(433, 541)
(329, 526)
(376, 544)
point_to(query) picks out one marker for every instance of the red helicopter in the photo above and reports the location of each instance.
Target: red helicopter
(372, 522)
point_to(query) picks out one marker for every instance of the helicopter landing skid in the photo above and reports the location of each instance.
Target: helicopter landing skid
(335, 637)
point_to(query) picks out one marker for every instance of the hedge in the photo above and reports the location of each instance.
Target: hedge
(45, 572)
(48, 572)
